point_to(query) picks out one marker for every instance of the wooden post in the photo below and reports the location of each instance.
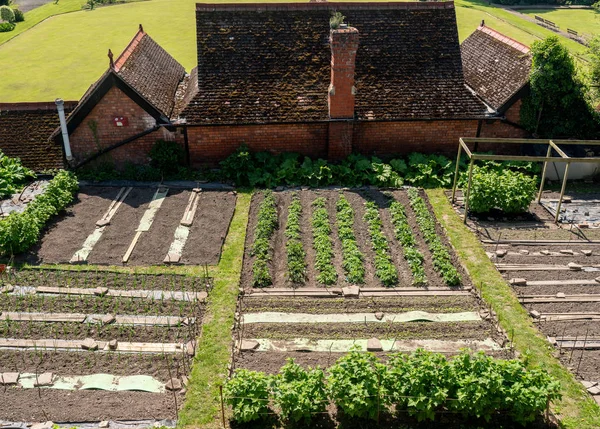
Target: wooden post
(456, 172)
(466, 197)
(544, 174)
(222, 406)
(562, 192)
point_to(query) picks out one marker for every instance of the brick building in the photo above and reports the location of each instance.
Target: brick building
(277, 78)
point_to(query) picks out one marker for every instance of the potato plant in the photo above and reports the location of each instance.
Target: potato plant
(296, 264)
(247, 392)
(261, 249)
(384, 267)
(323, 243)
(352, 257)
(405, 236)
(442, 262)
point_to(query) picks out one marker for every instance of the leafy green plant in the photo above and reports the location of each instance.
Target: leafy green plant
(13, 175)
(296, 264)
(442, 262)
(248, 394)
(323, 243)
(507, 190)
(5, 27)
(352, 258)
(19, 16)
(166, 155)
(261, 249)
(356, 385)
(336, 20)
(384, 267)
(429, 171)
(405, 236)
(20, 231)
(299, 393)
(7, 14)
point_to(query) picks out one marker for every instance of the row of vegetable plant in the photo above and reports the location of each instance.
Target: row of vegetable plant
(20, 231)
(442, 262)
(296, 263)
(422, 383)
(384, 267)
(265, 227)
(323, 243)
(352, 258)
(405, 236)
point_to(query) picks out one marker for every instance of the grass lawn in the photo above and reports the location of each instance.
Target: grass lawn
(586, 21)
(65, 54)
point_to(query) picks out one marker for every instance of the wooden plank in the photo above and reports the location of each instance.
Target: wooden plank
(582, 282)
(43, 317)
(190, 211)
(149, 347)
(553, 299)
(75, 345)
(64, 290)
(543, 267)
(149, 320)
(544, 242)
(562, 317)
(142, 294)
(380, 293)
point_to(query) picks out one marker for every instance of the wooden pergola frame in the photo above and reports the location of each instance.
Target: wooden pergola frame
(553, 145)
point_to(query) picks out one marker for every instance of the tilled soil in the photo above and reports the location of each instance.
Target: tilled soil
(566, 307)
(551, 275)
(154, 244)
(84, 405)
(401, 331)
(553, 290)
(571, 328)
(81, 363)
(117, 237)
(111, 280)
(210, 227)
(279, 264)
(392, 304)
(246, 278)
(67, 232)
(585, 364)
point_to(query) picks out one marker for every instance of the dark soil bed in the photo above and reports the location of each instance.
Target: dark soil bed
(551, 275)
(84, 405)
(445, 304)
(585, 364)
(571, 328)
(210, 227)
(66, 233)
(400, 331)
(553, 290)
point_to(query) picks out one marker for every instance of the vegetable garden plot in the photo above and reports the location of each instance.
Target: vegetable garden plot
(135, 343)
(139, 226)
(328, 238)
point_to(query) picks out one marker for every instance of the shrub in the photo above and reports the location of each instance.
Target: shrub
(509, 191)
(20, 231)
(5, 27)
(167, 156)
(7, 14)
(248, 394)
(19, 16)
(300, 393)
(355, 384)
(5, 2)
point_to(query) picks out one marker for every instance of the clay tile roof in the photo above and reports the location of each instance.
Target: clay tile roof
(271, 62)
(25, 129)
(495, 66)
(151, 71)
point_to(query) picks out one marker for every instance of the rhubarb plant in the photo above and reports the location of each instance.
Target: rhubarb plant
(323, 243)
(442, 262)
(384, 267)
(296, 264)
(352, 257)
(405, 236)
(261, 249)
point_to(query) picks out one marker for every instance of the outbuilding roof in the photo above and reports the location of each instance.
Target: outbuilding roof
(261, 63)
(495, 66)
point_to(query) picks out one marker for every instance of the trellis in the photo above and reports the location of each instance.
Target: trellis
(553, 146)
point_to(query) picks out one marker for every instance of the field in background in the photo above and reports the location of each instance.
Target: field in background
(65, 54)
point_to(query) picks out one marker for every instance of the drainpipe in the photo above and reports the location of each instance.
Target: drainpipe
(63, 127)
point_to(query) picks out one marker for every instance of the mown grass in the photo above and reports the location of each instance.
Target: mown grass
(64, 55)
(576, 410)
(586, 21)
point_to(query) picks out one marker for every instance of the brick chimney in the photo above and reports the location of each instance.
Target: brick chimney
(344, 43)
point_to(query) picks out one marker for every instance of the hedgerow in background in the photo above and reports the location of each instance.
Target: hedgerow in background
(442, 262)
(20, 231)
(323, 243)
(7, 14)
(13, 175)
(299, 393)
(405, 236)
(384, 267)
(261, 249)
(352, 258)
(296, 264)
(509, 191)
(248, 394)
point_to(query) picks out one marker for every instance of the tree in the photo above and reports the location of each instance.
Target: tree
(557, 105)
(594, 53)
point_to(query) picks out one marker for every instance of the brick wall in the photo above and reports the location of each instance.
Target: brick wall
(209, 145)
(84, 142)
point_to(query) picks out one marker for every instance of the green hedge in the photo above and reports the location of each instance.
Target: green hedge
(20, 231)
